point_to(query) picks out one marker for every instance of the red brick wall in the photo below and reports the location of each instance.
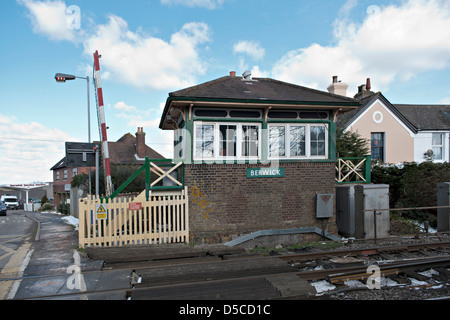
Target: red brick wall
(59, 185)
(223, 202)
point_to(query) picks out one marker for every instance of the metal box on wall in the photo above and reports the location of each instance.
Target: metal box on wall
(443, 199)
(372, 197)
(325, 204)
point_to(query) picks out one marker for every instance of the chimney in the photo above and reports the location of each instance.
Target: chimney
(364, 90)
(337, 87)
(140, 142)
(232, 74)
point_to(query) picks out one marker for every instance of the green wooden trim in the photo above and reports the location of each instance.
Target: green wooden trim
(262, 162)
(148, 187)
(305, 121)
(332, 147)
(256, 120)
(368, 169)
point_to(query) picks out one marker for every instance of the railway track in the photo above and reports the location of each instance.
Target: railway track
(271, 277)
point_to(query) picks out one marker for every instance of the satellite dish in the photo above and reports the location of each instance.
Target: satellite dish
(247, 75)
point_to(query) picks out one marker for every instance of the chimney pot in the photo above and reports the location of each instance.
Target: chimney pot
(335, 79)
(232, 74)
(368, 87)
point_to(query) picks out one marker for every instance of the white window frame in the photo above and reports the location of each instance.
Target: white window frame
(239, 141)
(441, 146)
(287, 127)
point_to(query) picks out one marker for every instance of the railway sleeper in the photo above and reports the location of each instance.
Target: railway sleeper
(416, 275)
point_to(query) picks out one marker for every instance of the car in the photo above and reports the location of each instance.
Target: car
(3, 209)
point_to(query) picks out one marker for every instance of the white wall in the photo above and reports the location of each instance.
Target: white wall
(423, 142)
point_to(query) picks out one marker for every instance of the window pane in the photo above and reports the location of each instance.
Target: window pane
(317, 141)
(297, 141)
(437, 139)
(227, 142)
(321, 148)
(250, 141)
(204, 141)
(277, 138)
(437, 153)
(245, 114)
(211, 113)
(313, 115)
(283, 115)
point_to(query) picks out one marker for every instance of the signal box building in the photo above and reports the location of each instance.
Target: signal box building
(259, 154)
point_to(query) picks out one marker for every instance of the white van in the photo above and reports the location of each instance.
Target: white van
(10, 201)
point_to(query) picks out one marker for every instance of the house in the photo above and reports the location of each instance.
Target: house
(399, 132)
(128, 150)
(258, 154)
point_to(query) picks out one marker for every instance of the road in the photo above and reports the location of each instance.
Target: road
(16, 235)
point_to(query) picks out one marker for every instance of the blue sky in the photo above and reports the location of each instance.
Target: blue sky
(152, 47)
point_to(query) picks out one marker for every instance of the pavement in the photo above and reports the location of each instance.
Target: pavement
(53, 268)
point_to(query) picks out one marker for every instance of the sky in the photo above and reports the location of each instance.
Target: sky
(150, 48)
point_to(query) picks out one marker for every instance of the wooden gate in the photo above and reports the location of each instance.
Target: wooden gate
(134, 220)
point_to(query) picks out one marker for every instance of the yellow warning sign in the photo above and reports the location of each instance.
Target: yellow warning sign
(101, 211)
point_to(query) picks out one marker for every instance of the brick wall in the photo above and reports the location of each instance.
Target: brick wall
(224, 203)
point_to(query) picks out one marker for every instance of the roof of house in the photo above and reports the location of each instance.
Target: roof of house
(257, 91)
(415, 117)
(123, 151)
(427, 117)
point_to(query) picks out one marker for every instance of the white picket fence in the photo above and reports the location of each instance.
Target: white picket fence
(134, 220)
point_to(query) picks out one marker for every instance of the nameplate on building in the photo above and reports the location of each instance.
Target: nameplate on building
(265, 172)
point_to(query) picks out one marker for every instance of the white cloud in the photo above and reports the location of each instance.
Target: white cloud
(394, 43)
(29, 150)
(123, 106)
(149, 62)
(250, 48)
(445, 101)
(136, 117)
(258, 73)
(208, 4)
(130, 57)
(51, 19)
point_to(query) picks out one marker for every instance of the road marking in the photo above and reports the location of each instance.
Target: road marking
(15, 267)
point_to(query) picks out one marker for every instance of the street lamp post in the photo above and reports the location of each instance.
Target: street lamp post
(62, 77)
